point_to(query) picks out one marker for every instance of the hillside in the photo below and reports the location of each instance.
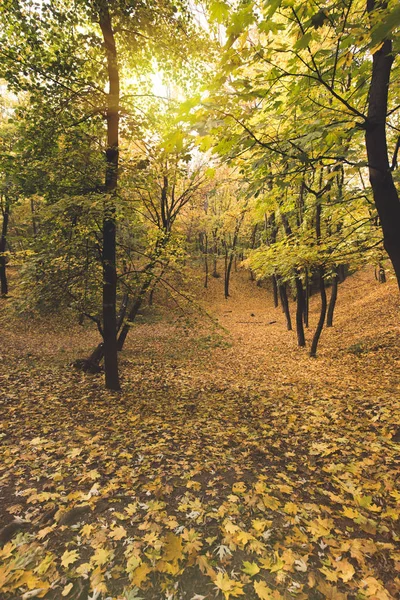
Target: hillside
(231, 464)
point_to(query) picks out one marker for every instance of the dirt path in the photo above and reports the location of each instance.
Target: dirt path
(232, 464)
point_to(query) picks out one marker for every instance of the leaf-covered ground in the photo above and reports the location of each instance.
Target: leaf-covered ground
(231, 465)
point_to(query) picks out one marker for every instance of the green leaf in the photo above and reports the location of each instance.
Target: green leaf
(303, 42)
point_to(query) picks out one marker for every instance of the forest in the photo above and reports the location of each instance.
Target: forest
(199, 299)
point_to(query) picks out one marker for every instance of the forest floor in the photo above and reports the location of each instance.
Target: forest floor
(230, 465)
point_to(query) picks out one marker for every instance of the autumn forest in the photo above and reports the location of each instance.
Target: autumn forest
(199, 299)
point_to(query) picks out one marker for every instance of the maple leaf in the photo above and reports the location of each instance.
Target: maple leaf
(250, 568)
(140, 574)
(173, 549)
(69, 557)
(239, 487)
(118, 533)
(320, 527)
(229, 587)
(101, 556)
(262, 590)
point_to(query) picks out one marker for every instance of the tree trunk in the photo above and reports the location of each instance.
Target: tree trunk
(318, 331)
(301, 340)
(228, 275)
(285, 304)
(385, 194)
(3, 247)
(275, 291)
(306, 300)
(109, 224)
(332, 301)
(206, 260)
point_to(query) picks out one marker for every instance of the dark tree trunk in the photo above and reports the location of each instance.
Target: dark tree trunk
(285, 304)
(131, 317)
(275, 291)
(342, 273)
(109, 224)
(318, 331)
(306, 300)
(301, 340)
(228, 274)
(332, 301)
(3, 247)
(385, 194)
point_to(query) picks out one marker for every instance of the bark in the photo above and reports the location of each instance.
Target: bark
(275, 291)
(318, 331)
(307, 299)
(332, 301)
(285, 304)
(301, 340)
(109, 223)
(299, 292)
(228, 274)
(322, 290)
(385, 194)
(3, 247)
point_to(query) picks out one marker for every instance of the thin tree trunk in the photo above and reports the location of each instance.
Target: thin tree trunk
(318, 331)
(3, 247)
(307, 299)
(109, 223)
(275, 291)
(301, 340)
(228, 275)
(285, 304)
(332, 301)
(385, 194)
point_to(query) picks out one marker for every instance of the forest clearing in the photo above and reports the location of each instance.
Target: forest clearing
(228, 466)
(199, 299)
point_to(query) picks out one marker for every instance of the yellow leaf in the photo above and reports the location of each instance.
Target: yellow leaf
(290, 508)
(43, 567)
(345, 569)
(69, 557)
(239, 487)
(75, 452)
(43, 532)
(350, 512)
(229, 587)
(131, 509)
(173, 547)
(67, 589)
(140, 574)
(320, 527)
(250, 568)
(100, 557)
(230, 527)
(87, 530)
(133, 562)
(118, 533)
(262, 590)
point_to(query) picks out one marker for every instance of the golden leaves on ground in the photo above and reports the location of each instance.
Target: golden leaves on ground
(233, 473)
